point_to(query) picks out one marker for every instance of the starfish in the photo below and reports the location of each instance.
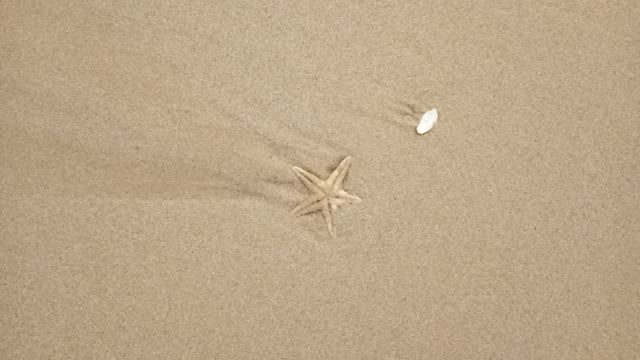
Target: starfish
(325, 195)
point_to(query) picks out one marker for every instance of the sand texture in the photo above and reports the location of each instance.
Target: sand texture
(146, 183)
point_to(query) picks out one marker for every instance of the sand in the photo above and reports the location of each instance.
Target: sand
(146, 187)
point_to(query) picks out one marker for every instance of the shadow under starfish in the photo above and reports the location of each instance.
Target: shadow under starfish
(325, 195)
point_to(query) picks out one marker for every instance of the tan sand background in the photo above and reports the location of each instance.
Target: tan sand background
(145, 182)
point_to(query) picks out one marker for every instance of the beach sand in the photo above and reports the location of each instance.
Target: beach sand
(146, 182)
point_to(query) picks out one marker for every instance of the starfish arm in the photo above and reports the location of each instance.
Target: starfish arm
(309, 205)
(309, 180)
(348, 198)
(339, 173)
(328, 218)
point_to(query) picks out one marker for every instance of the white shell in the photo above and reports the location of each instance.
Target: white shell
(428, 121)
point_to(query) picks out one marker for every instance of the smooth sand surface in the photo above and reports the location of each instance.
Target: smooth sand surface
(146, 150)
